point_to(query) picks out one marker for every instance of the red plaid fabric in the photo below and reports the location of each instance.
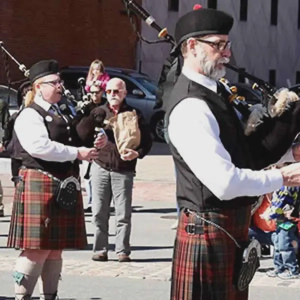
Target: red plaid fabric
(38, 222)
(203, 264)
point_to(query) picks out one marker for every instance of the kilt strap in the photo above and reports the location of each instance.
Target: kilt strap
(193, 229)
(46, 174)
(197, 227)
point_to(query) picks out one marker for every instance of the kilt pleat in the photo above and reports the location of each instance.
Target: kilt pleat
(203, 264)
(37, 221)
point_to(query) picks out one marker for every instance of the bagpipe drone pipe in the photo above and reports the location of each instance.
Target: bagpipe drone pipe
(270, 128)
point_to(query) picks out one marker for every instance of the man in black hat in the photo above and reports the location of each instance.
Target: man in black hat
(215, 182)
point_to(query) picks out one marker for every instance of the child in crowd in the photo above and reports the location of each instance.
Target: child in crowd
(97, 76)
(284, 209)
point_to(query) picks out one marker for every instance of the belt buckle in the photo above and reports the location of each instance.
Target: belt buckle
(190, 228)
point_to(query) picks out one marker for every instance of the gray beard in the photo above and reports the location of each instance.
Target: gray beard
(210, 68)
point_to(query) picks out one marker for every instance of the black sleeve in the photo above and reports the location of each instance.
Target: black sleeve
(83, 128)
(146, 139)
(168, 77)
(8, 129)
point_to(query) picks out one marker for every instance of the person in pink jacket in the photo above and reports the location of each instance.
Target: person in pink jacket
(96, 75)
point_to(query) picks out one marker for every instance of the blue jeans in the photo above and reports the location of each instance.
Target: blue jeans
(284, 251)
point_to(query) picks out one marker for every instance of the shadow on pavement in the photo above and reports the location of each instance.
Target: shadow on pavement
(133, 248)
(144, 248)
(264, 270)
(141, 260)
(156, 210)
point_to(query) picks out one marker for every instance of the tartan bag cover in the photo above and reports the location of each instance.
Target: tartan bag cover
(38, 222)
(203, 264)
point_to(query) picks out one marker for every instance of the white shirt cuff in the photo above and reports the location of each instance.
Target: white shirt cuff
(275, 179)
(73, 152)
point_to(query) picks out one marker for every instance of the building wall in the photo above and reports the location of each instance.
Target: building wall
(257, 46)
(74, 32)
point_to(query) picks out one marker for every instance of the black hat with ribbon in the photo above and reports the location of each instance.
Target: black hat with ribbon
(202, 21)
(43, 68)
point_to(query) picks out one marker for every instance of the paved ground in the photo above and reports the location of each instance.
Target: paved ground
(147, 277)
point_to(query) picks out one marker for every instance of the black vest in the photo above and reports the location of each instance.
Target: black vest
(191, 192)
(59, 131)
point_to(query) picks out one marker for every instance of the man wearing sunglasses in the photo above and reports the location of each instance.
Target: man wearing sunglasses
(215, 182)
(112, 177)
(96, 93)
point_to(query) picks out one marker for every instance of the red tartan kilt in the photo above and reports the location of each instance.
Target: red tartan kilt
(203, 264)
(38, 222)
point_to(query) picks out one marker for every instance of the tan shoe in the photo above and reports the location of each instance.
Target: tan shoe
(124, 258)
(100, 257)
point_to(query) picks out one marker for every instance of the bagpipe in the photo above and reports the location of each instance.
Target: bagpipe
(87, 121)
(270, 127)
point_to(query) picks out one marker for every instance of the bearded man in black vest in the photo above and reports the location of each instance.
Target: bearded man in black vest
(215, 182)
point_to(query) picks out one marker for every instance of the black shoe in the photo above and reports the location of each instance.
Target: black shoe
(1, 213)
(100, 257)
(88, 209)
(124, 258)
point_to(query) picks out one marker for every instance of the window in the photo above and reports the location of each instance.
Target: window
(173, 5)
(241, 78)
(272, 77)
(298, 14)
(212, 4)
(243, 10)
(297, 77)
(274, 12)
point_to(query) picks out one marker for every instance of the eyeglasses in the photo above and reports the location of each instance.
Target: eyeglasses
(57, 82)
(221, 45)
(113, 92)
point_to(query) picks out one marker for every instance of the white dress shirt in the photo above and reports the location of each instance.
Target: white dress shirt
(195, 133)
(34, 138)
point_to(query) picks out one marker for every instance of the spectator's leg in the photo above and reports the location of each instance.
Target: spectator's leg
(122, 185)
(101, 194)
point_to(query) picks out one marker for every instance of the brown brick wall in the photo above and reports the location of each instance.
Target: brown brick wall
(74, 32)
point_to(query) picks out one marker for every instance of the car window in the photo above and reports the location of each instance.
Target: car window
(9, 96)
(71, 79)
(147, 84)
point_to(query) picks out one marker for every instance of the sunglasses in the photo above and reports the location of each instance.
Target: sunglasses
(113, 92)
(57, 82)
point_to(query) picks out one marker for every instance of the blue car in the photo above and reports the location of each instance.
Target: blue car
(141, 93)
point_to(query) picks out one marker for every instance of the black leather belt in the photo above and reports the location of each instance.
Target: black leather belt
(194, 229)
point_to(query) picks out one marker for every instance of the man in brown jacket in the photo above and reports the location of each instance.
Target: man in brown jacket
(112, 177)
